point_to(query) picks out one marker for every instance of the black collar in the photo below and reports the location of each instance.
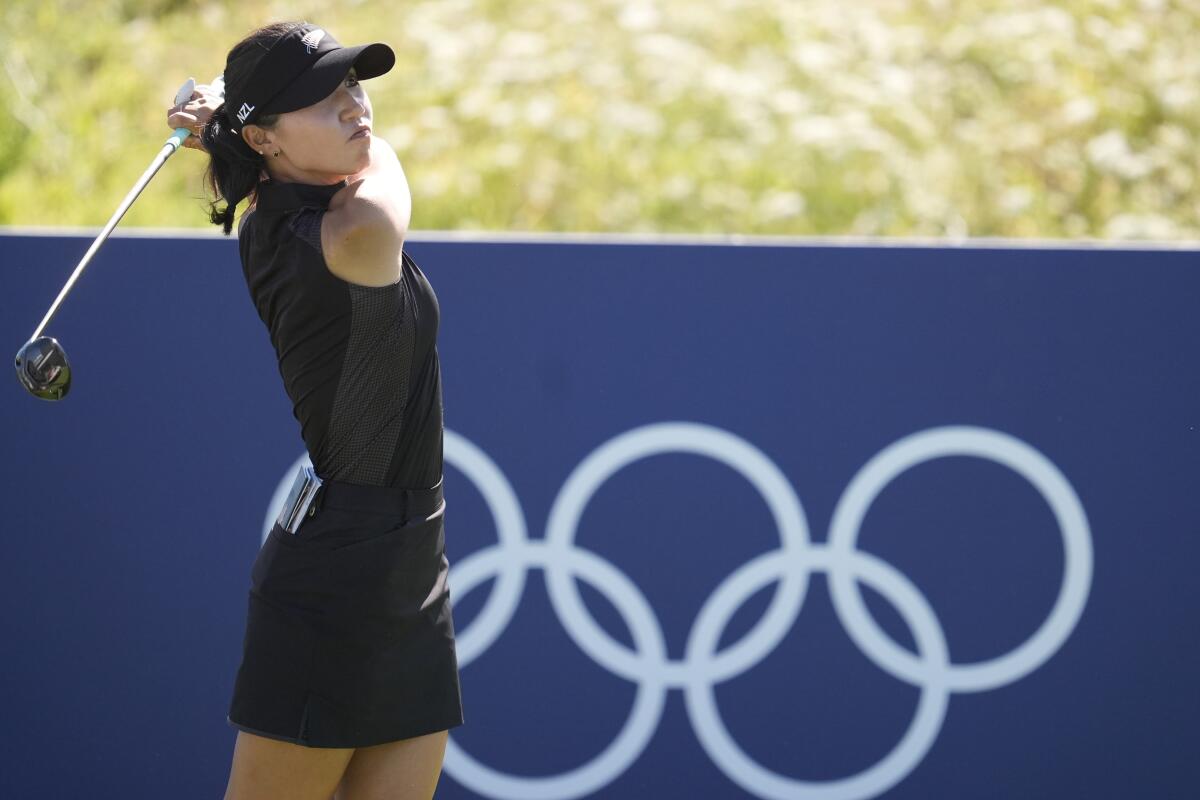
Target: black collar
(276, 196)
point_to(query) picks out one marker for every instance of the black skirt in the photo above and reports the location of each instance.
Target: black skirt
(349, 638)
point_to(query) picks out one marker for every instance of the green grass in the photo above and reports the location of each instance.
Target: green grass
(896, 117)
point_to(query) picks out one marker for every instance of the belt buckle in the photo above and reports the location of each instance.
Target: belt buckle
(299, 499)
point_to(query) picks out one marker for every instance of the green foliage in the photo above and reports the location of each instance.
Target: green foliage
(1079, 118)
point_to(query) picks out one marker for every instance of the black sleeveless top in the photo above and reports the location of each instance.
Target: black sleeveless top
(359, 363)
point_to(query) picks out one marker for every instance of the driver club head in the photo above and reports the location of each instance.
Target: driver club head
(43, 369)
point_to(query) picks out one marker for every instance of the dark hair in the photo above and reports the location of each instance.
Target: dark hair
(233, 166)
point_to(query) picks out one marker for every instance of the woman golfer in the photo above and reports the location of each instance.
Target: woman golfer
(348, 681)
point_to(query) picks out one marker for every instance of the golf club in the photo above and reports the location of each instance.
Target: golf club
(42, 365)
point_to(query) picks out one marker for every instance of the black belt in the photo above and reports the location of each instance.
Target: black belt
(407, 503)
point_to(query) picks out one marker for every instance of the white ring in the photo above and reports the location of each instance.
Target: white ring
(639, 727)
(677, 437)
(884, 774)
(1022, 459)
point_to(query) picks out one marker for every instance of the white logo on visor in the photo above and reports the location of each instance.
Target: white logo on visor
(244, 112)
(311, 39)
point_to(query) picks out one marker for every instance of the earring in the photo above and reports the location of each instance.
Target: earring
(277, 154)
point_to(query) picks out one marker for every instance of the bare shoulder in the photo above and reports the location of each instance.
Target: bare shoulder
(362, 234)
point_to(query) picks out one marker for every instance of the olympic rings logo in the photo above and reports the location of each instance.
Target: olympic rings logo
(703, 666)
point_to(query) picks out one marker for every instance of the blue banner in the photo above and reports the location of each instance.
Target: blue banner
(724, 521)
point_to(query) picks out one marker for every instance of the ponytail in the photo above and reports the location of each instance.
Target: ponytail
(234, 168)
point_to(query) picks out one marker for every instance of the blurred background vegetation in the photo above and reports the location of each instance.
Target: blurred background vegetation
(945, 118)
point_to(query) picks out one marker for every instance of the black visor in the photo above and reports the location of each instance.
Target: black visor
(303, 67)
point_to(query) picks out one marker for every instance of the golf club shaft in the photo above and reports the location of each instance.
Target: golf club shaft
(168, 149)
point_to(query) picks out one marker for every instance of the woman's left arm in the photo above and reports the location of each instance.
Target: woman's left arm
(362, 236)
(384, 180)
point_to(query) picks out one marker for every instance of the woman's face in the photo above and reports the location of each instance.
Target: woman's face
(314, 143)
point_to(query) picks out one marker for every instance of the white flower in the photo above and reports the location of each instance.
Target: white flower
(1078, 111)
(540, 111)
(400, 137)
(678, 187)
(1110, 152)
(638, 16)
(1180, 96)
(634, 118)
(1140, 226)
(816, 130)
(475, 101)
(816, 58)
(522, 45)
(776, 205)
(788, 102)
(1015, 199)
